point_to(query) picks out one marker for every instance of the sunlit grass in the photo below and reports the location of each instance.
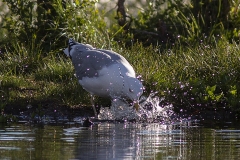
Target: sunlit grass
(195, 76)
(186, 74)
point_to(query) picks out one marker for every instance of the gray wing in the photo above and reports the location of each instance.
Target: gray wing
(88, 63)
(115, 56)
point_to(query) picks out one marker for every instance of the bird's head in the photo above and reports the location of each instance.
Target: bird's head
(74, 46)
(134, 89)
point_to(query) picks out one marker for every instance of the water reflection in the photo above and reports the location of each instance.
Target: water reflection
(186, 140)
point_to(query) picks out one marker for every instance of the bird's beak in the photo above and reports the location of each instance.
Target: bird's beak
(136, 106)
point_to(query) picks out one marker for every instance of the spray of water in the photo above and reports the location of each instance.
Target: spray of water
(150, 110)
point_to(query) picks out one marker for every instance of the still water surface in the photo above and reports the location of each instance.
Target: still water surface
(102, 141)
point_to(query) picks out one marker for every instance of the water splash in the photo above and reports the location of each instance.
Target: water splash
(150, 110)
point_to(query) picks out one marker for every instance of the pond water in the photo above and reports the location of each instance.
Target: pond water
(114, 140)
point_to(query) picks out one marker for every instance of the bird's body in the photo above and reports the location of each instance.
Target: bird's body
(103, 72)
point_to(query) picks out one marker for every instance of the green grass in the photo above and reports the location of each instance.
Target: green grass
(188, 75)
(191, 76)
(195, 76)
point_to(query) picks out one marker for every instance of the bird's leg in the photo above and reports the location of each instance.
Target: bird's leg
(93, 106)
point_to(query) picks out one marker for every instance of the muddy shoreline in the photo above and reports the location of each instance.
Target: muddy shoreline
(34, 113)
(54, 112)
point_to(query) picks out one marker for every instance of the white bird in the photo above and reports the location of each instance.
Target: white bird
(104, 73)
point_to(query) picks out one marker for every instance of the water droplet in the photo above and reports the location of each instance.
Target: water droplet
(155, 83)
(139, 76)
(182, 86)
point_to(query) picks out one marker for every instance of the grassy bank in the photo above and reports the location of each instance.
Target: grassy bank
(192, 76)
(189, 77)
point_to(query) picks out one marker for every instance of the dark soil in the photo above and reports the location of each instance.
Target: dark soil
(47, 109)
(34, 113)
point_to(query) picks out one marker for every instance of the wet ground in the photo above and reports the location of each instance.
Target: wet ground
(50, 112)
(55, 113)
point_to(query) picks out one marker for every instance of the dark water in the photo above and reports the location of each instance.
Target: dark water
(185, 140)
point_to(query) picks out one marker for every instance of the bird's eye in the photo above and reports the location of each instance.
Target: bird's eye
(130, 90)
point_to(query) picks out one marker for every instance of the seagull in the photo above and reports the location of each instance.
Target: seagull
(104, 73)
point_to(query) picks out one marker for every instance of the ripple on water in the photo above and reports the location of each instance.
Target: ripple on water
(15, 134)
(113, 140)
